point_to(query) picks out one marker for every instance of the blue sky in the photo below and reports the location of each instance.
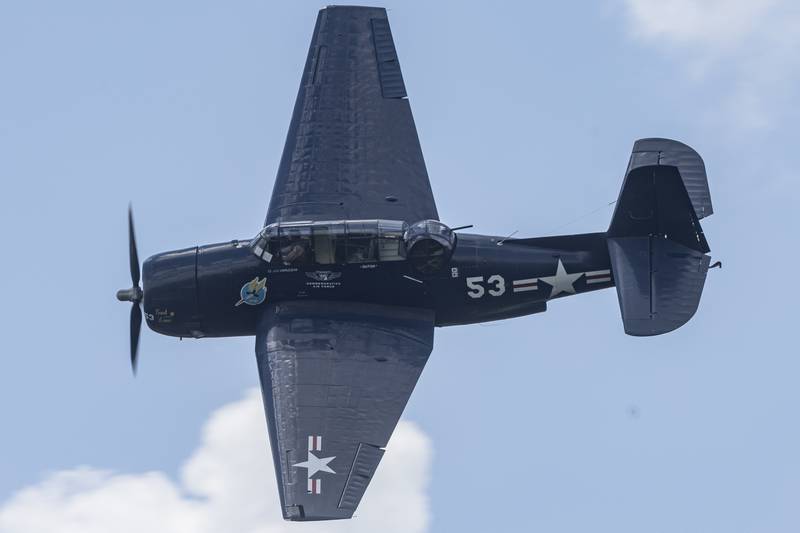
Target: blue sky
(526, 113)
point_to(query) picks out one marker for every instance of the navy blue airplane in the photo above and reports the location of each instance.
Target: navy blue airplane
(352, 270)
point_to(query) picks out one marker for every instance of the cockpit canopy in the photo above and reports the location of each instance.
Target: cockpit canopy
(427, 244)
(331, 242)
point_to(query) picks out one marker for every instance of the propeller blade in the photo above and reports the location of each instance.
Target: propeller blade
(136, 328)
(134, 256)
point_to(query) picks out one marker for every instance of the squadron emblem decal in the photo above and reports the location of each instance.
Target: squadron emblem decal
(323, 279)
(315, 464)
(253, 292)
(324, 275)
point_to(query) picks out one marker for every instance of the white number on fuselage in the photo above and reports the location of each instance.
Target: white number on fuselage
(475, 289)
(499, 285)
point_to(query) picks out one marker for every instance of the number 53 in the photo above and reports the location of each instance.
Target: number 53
(475, 288)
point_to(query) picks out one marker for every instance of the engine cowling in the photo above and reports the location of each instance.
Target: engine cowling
(429, 245)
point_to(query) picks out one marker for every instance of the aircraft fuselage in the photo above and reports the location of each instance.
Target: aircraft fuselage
(217, 290)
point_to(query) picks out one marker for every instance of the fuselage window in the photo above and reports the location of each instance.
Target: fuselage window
(330, 244)
(265, 245)
(391, 246)
(361, 242)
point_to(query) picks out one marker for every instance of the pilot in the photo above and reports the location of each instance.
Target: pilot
(293, 253)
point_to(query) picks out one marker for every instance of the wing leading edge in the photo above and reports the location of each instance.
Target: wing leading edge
(335, 378)
(352, 150)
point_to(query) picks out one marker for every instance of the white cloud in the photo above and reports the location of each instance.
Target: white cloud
(750, 45)
(228, 484)
(717, 23)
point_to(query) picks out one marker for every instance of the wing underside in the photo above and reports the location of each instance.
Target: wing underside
(352, 150)
(335, 378)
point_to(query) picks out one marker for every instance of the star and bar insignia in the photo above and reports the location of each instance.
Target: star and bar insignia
(314, 464)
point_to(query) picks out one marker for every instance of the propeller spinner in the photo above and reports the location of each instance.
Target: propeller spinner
(134, 294)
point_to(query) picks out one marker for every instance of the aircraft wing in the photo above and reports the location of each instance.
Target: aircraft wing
(352, 150)
(335, 378)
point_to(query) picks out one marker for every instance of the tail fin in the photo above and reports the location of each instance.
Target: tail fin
(655, 242)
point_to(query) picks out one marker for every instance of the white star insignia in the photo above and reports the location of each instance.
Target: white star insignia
(561, 282)
(315, 464)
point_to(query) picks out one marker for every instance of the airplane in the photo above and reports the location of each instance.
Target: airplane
(352, 271)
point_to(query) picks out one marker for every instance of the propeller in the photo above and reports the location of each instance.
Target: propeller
(134, 294)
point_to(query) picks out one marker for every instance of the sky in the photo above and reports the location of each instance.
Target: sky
(526, 112)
